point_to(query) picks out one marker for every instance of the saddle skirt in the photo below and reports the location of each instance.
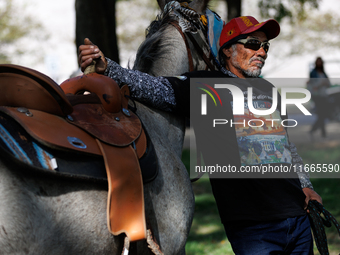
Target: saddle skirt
(99, 125)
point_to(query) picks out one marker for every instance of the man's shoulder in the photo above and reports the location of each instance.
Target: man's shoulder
(205, 74)
(185, 77)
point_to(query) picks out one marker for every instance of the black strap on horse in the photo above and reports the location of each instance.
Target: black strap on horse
(317, 224)
(206, 59)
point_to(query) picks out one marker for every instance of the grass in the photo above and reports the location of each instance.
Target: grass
(328, 189)
(207, 234)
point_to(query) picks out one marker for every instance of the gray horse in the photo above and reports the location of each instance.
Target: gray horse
(49, 215)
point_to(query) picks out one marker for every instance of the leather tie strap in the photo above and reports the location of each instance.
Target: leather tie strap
(206, 59)
(200, 51)
(191, 64)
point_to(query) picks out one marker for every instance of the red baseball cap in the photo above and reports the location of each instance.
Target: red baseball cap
(246, 25)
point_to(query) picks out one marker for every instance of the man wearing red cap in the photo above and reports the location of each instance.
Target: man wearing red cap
(260, 216)
(246, 31)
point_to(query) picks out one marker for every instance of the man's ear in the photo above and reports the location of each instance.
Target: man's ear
(227, 52)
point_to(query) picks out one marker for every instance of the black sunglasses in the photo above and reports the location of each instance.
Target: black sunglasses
(254, 44)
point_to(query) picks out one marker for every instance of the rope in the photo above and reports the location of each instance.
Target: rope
(126, 246)
(317, 224)
(152, 244)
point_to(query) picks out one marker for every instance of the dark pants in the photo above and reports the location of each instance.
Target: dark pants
(322, 110)
(290, 236)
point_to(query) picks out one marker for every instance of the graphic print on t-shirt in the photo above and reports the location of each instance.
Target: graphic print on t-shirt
(261, 138)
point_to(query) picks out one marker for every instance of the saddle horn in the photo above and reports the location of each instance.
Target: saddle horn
(104, 87)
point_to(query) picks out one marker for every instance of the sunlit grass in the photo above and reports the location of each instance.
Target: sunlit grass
(207, 234)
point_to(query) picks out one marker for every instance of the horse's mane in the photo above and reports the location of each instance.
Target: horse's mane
(153, 48)
(161, 19)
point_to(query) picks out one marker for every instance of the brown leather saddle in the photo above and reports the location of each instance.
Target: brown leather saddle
(99, 124)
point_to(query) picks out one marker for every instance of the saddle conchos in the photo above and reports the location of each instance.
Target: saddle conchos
(51, 128)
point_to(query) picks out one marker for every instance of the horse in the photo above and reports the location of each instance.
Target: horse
(48, 214)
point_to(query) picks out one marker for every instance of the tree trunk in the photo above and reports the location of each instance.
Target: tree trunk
(96, 20)
(234, 9)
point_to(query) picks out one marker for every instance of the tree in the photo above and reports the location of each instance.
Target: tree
(97, 21)
(233, 8)
(317, 31)
(277, 9)
(15, 26)
(131, 30)
(295, 10)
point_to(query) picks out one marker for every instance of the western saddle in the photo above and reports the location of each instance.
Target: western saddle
(99, 123)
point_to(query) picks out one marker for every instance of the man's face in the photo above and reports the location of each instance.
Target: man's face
(245, 62)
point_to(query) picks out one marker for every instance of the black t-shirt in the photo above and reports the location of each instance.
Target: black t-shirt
(246, 198)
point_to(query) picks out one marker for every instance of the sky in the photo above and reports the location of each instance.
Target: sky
(59, 51)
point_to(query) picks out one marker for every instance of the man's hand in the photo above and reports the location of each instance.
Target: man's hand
(89, 52)
(311, 195)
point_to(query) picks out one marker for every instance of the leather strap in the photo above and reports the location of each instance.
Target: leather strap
(191, 64)
(125, 93)
(125, 204)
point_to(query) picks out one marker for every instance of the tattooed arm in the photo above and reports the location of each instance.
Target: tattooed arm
(306, 184)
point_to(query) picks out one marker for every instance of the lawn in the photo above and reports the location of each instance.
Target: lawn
(207, 234)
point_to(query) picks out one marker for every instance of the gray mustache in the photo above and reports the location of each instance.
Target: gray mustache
(257, 58)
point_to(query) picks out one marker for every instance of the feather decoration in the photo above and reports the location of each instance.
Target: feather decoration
(188, 19)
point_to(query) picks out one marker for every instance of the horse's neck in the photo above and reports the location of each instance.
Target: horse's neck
(172, 60)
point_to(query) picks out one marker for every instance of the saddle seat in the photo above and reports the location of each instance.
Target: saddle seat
(99, 124)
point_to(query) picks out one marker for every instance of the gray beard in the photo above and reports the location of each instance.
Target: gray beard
(254, 73)
(248, 73)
